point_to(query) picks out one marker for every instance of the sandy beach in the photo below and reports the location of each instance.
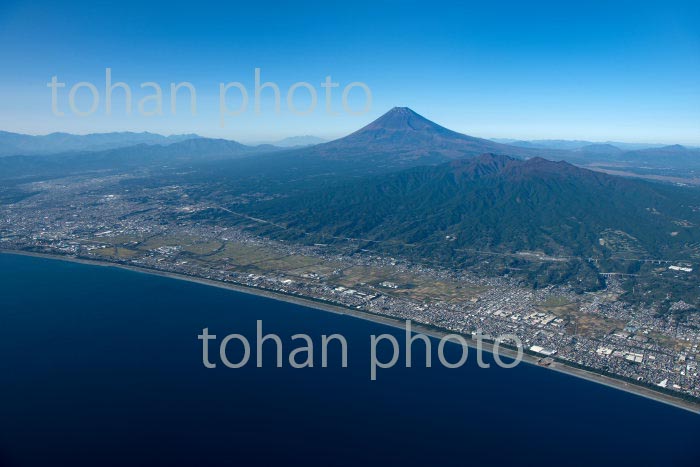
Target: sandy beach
(389, 321)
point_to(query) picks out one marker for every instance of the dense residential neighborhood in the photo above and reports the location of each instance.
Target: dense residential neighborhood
(96, 218)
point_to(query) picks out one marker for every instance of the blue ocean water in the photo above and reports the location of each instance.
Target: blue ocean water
(101, 366)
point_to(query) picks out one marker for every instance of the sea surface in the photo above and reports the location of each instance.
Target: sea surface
(102, 366)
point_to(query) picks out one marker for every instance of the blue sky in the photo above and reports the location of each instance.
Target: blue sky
(626, 71)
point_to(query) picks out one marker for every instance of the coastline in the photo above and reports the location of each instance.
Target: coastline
(560, 367)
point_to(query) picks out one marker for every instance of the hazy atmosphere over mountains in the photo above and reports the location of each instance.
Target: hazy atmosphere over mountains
(12, 144)
(470, 190)
(328, 233)
(399, 138)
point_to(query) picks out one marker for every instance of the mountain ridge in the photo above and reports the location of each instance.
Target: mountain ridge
(13, 144)
(402, 138)
(500, 204)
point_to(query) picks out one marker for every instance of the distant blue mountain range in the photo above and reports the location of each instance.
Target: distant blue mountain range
(12, 144)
